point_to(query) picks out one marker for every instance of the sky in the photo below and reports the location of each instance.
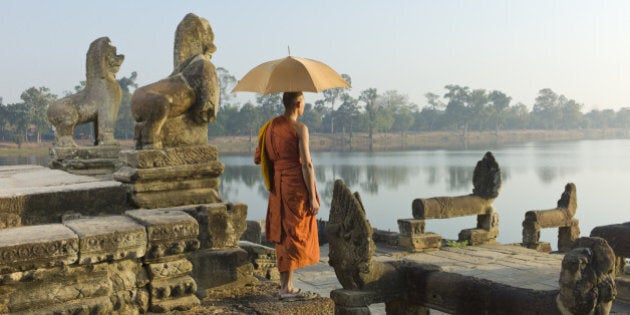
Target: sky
(577, 48)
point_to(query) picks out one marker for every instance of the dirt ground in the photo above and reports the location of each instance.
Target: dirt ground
(257, 298)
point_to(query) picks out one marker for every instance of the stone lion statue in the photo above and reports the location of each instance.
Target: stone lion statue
(98, 102)
(175, 111)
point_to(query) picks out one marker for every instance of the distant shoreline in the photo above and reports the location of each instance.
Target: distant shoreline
(435, 140)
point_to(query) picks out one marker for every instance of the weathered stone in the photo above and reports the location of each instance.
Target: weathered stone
(622, 282)
(98, 102)
(253, 232)
(351, 246)
(387, 237)
(403, 307)
(187, 171)
(567, 235)
(86, 306)
(169, 156)
(221, 224)
(617, 236)
(587, 284)
(478, 236)
(263, 259)
(159, 199)
(175, 111)
(418, 243)
(222, 267)
(411, 227)
(349, 310)
(561, 217)
(169, 232)
(108, 238)
(488, 221)
(450, 207)
(44, 290)
(487, 177)
(173, 294)
(33, 247)
(177, 185)
(37, 195)
(169, 269)
(353, 298)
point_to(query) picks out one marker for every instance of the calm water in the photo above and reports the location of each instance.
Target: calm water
(534, 176)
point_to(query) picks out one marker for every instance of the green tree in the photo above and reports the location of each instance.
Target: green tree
(226, 83)
(270, 105)
(546, 113)
(125, 123)
(368, 97)
(499, 102)
(250, 119)
(311, 117)
(517, 116)
(331, 96)
(37, 101)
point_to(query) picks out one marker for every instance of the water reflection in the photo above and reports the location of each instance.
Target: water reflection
(534, 175)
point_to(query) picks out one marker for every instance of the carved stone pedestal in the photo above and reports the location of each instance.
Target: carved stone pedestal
(97, 160)
(172, 176)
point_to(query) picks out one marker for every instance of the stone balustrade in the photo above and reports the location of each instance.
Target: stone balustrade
(123, 264)
(486, 182)
(561, 217)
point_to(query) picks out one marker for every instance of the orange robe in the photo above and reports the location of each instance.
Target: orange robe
(289, 223)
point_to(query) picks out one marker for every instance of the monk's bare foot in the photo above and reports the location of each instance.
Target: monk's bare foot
(298, 295)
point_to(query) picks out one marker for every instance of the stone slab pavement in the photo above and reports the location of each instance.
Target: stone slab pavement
(508, 264)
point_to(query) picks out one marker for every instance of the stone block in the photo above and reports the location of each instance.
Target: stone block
(32, 247)
(97, 160)
(389, 238)
(617, 236)
(169, 269)
(567, 235)
(263, 259)
(450, 207)
(178, 185)
(253, 232)
(478, 236)
(425, 241)
(172, 294)
(53, 288)
(85, 153)
(488, 221)
(128, 174)
(108, 238)
(215, 268)
(159, 199)
(411, 227)
(220, 224)
(531, 233)
(169, 232)
(169, 156)
(623, 287)
(543, 247)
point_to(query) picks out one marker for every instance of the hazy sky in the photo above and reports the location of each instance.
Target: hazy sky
(577, 48)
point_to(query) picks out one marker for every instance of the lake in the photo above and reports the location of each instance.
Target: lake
(534, 176)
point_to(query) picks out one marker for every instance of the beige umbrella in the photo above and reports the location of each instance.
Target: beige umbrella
(290, 74)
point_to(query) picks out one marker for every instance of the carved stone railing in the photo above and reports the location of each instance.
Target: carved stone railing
(561, 217)
(486, 182)
(142, 261)
(407, 287)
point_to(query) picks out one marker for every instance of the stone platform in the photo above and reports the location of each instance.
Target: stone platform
(32, 195)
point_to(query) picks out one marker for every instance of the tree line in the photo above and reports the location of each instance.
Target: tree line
(457, 108)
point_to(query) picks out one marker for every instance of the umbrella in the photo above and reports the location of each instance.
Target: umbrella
(290, 74)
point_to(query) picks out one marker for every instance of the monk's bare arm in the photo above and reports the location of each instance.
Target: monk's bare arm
(308, 172)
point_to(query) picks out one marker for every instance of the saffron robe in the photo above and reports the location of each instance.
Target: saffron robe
(288, 223)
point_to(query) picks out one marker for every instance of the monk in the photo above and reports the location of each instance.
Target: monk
(284, 155)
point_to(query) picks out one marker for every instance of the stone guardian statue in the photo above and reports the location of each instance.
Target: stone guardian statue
(98, 102)
(175, 111)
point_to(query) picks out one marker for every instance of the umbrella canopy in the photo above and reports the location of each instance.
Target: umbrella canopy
(290, 74)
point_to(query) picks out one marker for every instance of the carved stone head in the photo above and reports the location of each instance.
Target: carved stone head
(193, 37)
(102, 62)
